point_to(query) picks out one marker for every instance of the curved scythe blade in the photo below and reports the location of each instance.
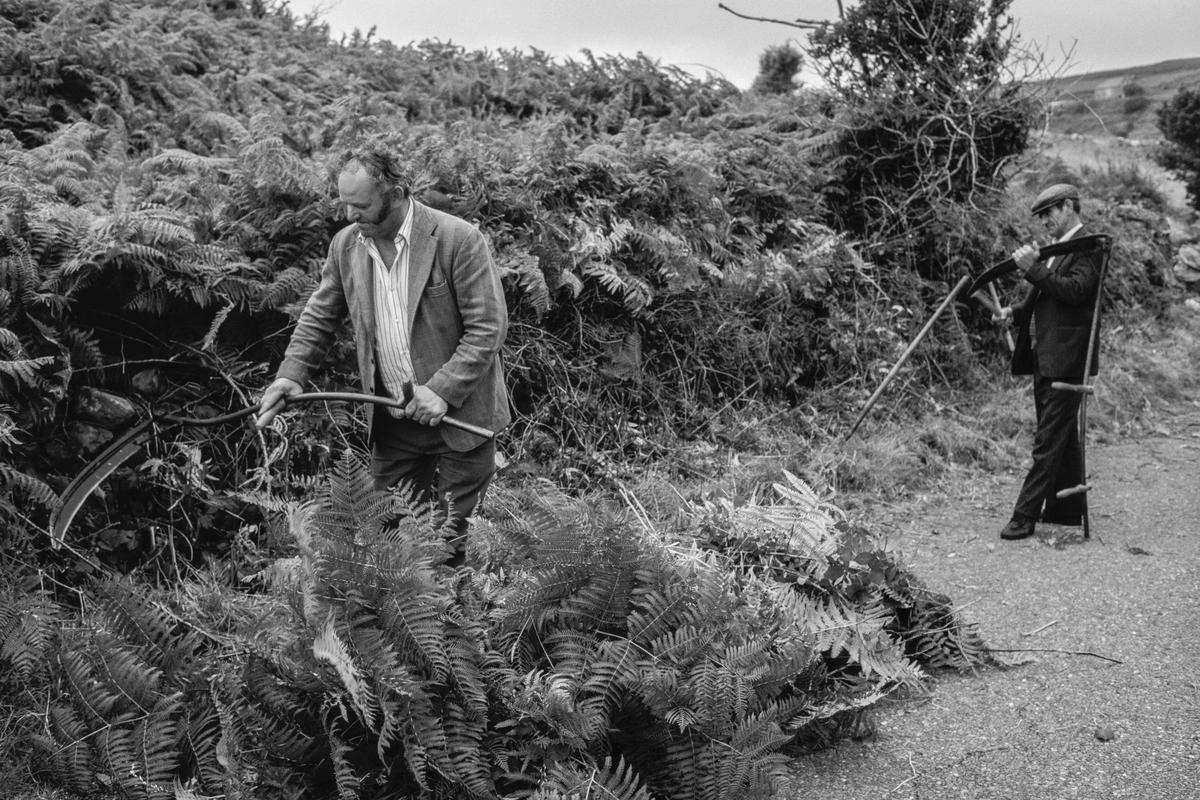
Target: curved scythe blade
(86, 481)
(1095, 241)
(123, 449)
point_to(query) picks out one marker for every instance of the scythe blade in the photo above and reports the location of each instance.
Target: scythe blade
(121, 450)
(1081, 244)
(82, 486)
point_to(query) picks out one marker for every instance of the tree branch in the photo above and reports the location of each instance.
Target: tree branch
(802, 24)
(1054, 650)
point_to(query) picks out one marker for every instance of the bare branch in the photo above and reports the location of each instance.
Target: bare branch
(802, 24)
(1054, 650)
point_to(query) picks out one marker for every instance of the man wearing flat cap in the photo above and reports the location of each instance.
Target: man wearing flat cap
(1053, 323)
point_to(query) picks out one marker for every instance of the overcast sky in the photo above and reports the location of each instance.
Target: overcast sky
(1082, 35)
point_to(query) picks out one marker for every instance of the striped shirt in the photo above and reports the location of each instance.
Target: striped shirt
(392, 326)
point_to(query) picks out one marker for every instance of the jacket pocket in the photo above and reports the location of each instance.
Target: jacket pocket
(437, 289)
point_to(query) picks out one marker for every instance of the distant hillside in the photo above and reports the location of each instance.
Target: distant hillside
(1159, 80)
(1118, 102)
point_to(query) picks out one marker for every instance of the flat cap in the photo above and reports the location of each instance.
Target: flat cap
(1052, 196)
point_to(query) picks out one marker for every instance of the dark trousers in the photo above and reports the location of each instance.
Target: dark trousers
(414, 455)
(1057, 457)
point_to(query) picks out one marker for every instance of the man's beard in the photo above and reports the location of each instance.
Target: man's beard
(384, 211)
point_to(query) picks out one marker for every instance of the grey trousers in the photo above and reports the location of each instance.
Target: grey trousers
(405, 452)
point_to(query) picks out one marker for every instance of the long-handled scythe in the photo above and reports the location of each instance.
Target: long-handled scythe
(121, 450)
(1008, 265)
(908, 351)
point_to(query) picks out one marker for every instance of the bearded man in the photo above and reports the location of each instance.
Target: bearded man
(428, 313)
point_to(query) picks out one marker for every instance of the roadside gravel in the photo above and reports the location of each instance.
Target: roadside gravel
(1061, 725)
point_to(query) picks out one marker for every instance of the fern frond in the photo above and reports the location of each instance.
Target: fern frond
(129, 613)
(414, 618)
(67, 751)
(138, 684)
(83, 347)
(633, 292)
(610, 779)
(30, 486)
(465, 657)
(935, 636)
(683, 646)
(349, 502)
(9, 429)
(659, 609)
(858, 631)
(26, 372)
(612, 673)
(603, 601)
(10, 345)
(151, 301)
(527, 270)
(157, 749)
(174, 158)
(328, 647)
(200, 735)
(345, 775)
(146, 258)
(19, 274)
(721, 695)
(464, 738)
(285, 288)
(28, 627)
(162, 229)
(214, 327)
(227, 124)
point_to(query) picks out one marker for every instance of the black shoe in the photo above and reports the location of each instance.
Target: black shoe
(1017, 529)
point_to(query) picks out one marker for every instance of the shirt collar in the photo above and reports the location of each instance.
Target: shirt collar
(403, 235)
(1070, 233)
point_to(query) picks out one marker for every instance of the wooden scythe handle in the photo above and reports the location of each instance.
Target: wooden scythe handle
(963, 281)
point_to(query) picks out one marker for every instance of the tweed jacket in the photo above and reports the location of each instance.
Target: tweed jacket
(456, 311)
(1060, 302)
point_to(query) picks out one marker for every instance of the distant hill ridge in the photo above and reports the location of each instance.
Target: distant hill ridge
(1159, 80)
(1174, 65)
(1120, 102)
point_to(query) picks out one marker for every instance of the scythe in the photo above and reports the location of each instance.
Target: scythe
(908, 351)
(1081, 244)
(121, 450)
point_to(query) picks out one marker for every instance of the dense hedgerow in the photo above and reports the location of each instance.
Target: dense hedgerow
(168, 210)
(666, 244)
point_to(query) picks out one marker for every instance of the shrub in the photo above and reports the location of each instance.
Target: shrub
(1179, 121)
(1133, 104)
(931, 118)
(777, 70)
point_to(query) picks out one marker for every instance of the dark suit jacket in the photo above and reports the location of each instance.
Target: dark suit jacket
(1060, 302)
(456, 309)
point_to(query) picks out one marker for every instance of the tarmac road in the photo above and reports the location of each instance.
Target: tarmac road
(1062, 725)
